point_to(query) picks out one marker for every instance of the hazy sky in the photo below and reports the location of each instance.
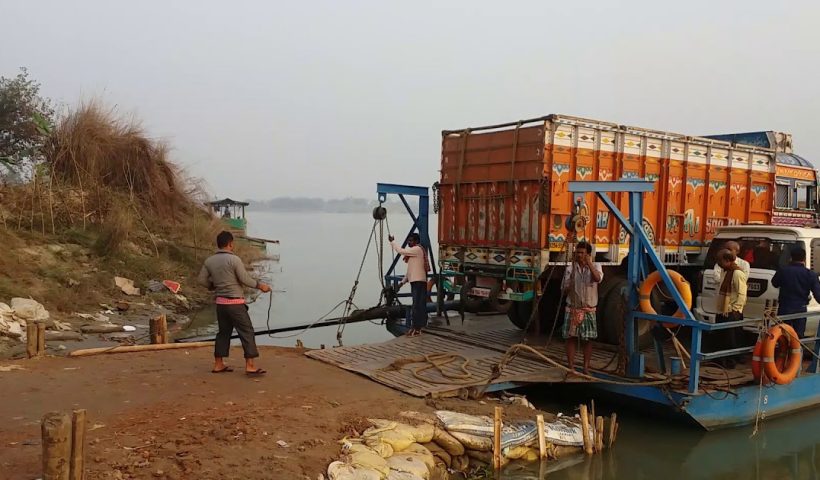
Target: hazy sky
(325, 98)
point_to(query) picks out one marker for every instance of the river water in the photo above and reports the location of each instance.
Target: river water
(320, 255)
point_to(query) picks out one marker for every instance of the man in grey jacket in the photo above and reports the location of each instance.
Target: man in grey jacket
(224, 273)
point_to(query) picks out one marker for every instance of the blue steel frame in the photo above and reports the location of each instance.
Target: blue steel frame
(641, 249)
(421, 223)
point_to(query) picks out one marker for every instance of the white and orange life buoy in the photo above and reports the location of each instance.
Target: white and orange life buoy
(780, 370)
(645, 293)
(781, 350)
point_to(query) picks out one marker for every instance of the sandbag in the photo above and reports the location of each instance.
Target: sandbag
(461, 463)
(512, 434)
(559, 451)
(564, 431)
(520, 453)
(440, 454)
(423, 454)
(398, 435)
(397, 475)
(486, 457)
(369, 460)
(409, 463)
(397, 441)
(448, 442)
(474, 442)
(345, 471)
(383, 450)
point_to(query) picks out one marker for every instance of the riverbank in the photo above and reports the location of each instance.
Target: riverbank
(164, 415)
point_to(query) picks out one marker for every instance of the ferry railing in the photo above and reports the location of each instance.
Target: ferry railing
(641, 254)
(700, 327)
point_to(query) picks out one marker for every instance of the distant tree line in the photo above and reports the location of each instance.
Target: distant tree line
(305, 204)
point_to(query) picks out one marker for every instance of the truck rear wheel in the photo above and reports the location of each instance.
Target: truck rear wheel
(519, 314)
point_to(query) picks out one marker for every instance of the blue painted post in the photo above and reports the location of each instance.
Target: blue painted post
(634, 267)
(675, 365)
(659, 351)
(694, 366)
(813, 366)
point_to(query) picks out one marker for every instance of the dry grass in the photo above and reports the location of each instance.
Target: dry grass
(110, 188)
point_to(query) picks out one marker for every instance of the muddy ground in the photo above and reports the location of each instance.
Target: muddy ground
(164, 415)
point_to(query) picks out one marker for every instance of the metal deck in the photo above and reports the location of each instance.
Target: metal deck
(484, 349)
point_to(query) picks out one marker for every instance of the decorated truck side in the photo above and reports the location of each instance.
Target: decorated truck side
(507, 223)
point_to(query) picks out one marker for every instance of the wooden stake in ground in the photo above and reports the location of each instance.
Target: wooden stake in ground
(56, 432)
(41, 339)
(542, 441)
(153, 330)
(77, 465)
(31, 339)
(613, 421)
(594, 438)
(497, 439)
(163, 328)
(599, 434)
(585, 429)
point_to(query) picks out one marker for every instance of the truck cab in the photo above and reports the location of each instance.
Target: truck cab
(766, 248)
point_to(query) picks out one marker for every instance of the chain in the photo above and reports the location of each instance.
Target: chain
(436, 197)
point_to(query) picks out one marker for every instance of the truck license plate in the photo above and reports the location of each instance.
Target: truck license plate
(480, 292)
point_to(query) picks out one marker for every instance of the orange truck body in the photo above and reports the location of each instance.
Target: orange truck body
(504, 200)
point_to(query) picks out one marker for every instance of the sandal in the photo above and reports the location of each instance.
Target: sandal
(258, 371)
(226, 369)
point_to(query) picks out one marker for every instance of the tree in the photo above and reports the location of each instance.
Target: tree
(25, 121)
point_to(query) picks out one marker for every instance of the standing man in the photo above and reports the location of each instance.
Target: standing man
(796, 282)
(731, 300)
(225, 273)
(417, 267)
(733, 247)
(580, 285)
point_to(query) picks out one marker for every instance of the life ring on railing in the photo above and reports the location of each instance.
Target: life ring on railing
(645, 292)
(785, 373)
(757, 357)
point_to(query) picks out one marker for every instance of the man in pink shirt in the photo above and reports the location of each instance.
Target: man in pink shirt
(417, 267)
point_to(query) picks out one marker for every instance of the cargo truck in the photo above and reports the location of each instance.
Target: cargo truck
(507, 223)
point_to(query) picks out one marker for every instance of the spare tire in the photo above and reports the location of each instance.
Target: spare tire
(612, 311)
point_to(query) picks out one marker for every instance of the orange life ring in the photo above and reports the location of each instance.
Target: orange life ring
(785, 373)
(780, 358)
(652, 280)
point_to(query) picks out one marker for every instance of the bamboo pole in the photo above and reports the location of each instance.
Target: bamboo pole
(497, 439)
(41, 339)
(77, 465)
(585, 429)
(599, 434)
(56, 433)
(31, 339)
(137, 348)
(592, 424)
(542, 441)
(613, 421)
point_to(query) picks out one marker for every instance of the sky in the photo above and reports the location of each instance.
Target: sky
(325, 98)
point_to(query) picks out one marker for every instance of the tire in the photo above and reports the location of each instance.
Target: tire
(611, 310)
(519, 314)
